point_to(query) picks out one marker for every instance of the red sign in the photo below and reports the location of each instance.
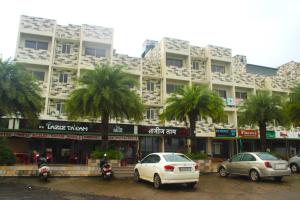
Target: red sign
(243, 133)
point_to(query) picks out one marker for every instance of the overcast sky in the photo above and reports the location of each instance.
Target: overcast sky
(266, 31)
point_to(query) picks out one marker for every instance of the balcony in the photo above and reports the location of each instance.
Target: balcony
(176, 46)
(35, 25)
(91, 61)
(97, 34)
(223, 78)
(244, 80)
(36, 56)
(131, 64)
(70, 32)
(219, 53)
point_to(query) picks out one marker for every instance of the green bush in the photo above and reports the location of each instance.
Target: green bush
(111, 154)
(197, 156)
(6, 155)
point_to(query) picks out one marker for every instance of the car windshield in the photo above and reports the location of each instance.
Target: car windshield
(266, 156)
(176, 158)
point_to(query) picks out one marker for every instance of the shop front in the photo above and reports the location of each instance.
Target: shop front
(224, 144)
(162, 139)
(285, 143)
(68, 142)
(248, 140)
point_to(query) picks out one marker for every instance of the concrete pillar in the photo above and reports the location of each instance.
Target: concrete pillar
(189, 145)
(209, 150)
(162, 144)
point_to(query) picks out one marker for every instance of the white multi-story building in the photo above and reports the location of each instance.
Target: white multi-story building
(57, 54)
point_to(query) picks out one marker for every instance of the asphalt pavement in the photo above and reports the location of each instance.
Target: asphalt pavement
(210, 187)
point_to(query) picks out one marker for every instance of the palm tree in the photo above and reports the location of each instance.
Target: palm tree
(105, 92)
(19, 92)
(261, 109)
(293, 106)
(188, 103)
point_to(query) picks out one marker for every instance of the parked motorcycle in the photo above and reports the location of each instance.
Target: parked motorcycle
(106, 170)
(44, 170)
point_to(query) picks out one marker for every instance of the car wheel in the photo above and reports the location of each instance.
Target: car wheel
(156, 181)
(254, 175)
(222, 172)
(136, 176)
(294, 168)
(278, 178)
(191, 185)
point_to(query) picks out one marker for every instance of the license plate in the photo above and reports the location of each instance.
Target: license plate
(185, 169)
(108, 173)
(44, 174)
(280, 166)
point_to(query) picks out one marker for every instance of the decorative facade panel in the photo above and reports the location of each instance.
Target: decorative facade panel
(221, 77)
(37, 24)
(71, 32)
(151, 96)
(152, 62)
(92, 61)
(66, 59)
(219, 52)
(97, 33)
(129, 63)
(62, 86)
(33, 55)
(175, 45)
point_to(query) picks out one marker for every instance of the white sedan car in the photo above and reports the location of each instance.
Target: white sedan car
(167, 168)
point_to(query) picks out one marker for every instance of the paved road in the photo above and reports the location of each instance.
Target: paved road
(210, 187)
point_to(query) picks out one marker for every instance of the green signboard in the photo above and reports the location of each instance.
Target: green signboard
(270, 135)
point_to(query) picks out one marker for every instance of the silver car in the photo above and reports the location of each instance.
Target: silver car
(295, 163)
(256, 165)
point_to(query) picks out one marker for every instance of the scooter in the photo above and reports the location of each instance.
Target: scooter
(106, 171)
(44, 170)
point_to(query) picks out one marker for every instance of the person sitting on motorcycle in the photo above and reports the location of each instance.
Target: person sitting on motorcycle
(103, 161)
(41, 160)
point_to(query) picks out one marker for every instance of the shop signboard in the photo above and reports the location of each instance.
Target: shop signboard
(248, 133)
(225, 133)
(81, 127)
(163, 131)
(270, 135)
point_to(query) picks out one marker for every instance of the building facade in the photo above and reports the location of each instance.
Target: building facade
(56, 56)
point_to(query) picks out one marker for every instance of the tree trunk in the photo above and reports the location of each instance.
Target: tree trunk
(193, 135)
(105, 125)
(262, 131)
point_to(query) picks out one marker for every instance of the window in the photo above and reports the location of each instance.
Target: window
(150, 85)
(248, 157)
(36, 44)
(63, 78)
(195, 65)
(60, 108)
(174, 62)
(39, 75)
(237, 158)
(66, 48)
(266, 156)
(95, 52)
(151, 159)
(218, 68)
(176, 158)
(221, 93)
(241, 95)
(150, 114)
(172, 88)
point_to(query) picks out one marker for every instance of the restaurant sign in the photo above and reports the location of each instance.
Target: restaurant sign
(223, 133)
(163, 131)
(283, 135)
(248, 133)
(68, 126)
